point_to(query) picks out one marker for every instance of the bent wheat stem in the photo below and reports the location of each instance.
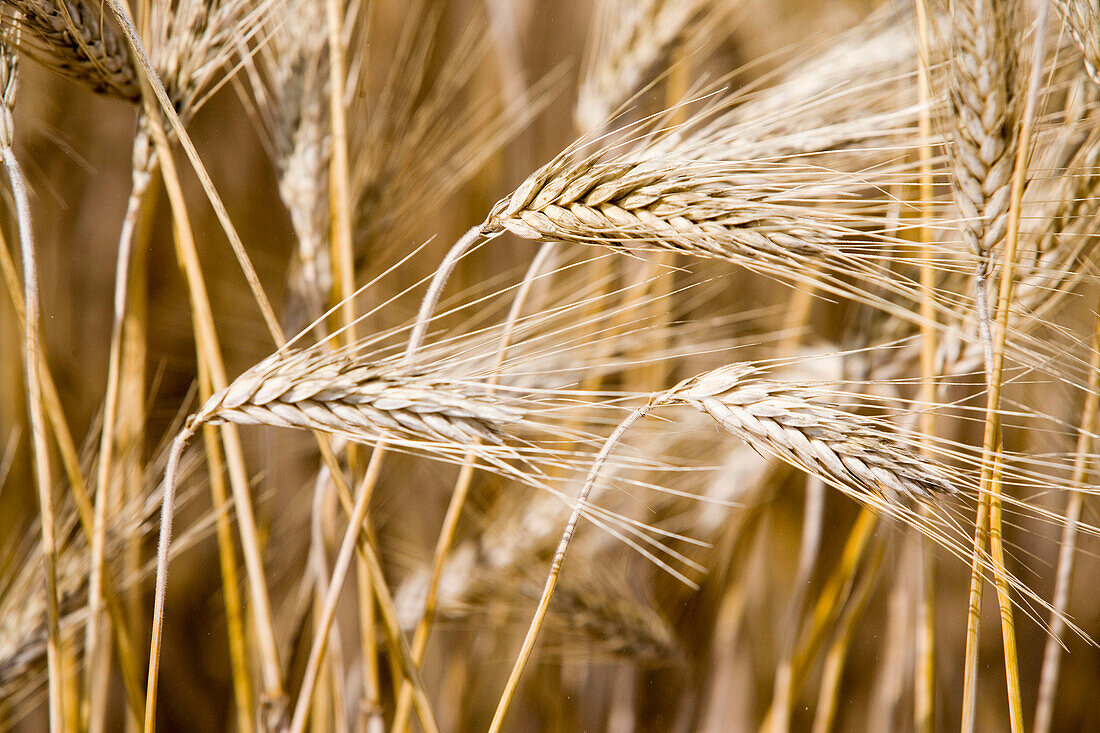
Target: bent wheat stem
(9, 65)
(556, 564)
(167, 510)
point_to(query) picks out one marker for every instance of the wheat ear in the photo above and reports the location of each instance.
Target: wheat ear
(985, 103)
(785, 421)
(794, 424)
(627, 41)
(77, 40)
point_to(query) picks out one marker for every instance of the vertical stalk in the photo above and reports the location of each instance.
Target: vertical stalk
(209, 350)
(43, 480)
(343, 261)
(78, 486)
(95, 683)
(461, 490)
(1052, 655)
(991, 442)
(924, 707)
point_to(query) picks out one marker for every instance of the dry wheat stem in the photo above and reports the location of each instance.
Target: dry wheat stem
(1048, 680)
(343, 260)
(925, 682)
(332, 595)
(211, 375)
(809, 547)
(317, 582)
(834, 593)
(71, 462)
(837, 654)
(209, 350)
(399, 647)
(168, 504)
(435, 289)
(343, 277)
(227, 561)
(32, 360)
(142, 177)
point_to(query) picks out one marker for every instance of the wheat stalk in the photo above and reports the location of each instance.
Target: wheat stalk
(991, 483)
(32, 361)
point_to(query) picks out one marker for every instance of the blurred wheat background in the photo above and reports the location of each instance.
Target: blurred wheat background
(319, 317)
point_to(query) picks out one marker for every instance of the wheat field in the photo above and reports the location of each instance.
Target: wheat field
(549, 365)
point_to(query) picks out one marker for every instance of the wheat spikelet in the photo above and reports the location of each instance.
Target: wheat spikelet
(79, 41)
(792, 423)
(1083, 19)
